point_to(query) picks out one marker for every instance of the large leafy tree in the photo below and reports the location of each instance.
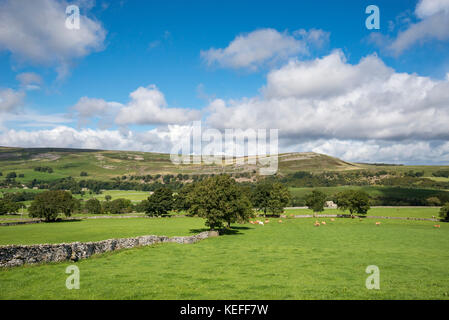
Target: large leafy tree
(49, 204)
(180, 201)
(315, 201)
(93, 206)
(220, 201)
(160, 202)
(270, 197)
(356, 201)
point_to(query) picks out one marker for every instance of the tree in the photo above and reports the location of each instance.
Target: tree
(93, 206)
(356, 201)
(220, 201)
(270, 197)
(11, 175)
(119, 206)
(160, 202)
(433, 201)
(83, 174)
(8, 207)
(49, 204)
(141, 206)
(315, 201)
(444, 212)
(108, 197)
(180, 200)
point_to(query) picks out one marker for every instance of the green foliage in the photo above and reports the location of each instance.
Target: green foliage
(444, 212)
(356, 201)
(441, 173)
(93, 206)
(434, 201)
(11, 175)
(160, 202)
(83, 174)
(9, 207)
(108, 197)
(43, 169)
(269, 196)
(219, 200)
(49, 204)
(316, 200)
(118, 206)
(180, 201)
(141, 206)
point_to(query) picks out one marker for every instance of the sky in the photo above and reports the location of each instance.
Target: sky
(136, 74)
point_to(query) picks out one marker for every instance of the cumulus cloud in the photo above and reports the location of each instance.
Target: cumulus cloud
(253, 49)
(34, 32)
(331, 99)
(88, 109)
(148, 106)
(433, 25)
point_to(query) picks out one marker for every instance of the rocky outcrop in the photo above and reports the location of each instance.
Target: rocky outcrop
(17, 255)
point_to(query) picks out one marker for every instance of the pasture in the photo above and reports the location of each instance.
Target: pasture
(288, 260)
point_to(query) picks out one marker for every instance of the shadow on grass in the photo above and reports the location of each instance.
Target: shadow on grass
(234, 230)
(63, 220)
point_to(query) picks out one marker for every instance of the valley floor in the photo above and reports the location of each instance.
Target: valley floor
(288, 260)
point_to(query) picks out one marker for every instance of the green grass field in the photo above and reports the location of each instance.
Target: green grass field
(409, 212)
(289, 260)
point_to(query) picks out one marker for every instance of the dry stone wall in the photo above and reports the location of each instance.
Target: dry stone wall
(17, 255)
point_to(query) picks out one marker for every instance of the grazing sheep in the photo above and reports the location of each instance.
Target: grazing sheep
(332, 219)
(316, 224)
(323, 222)
(261, 223)
(280, 221)
(436, 226)
(377, 223)
(433, 217)
(252, 222)
(267, 221)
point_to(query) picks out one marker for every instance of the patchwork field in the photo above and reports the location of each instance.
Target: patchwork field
(289, 260)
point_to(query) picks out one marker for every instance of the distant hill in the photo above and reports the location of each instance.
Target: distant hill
(104, 165)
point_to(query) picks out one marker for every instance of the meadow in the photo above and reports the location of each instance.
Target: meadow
(288, 260)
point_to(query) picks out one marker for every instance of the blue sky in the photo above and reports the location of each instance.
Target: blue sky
(167, 47)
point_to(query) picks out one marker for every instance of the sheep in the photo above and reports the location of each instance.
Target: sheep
(377, 223)
(436, 226)
(280, 221)
(323, 222)
(261, 223)
(332, 219)
(267, 221)
(317, 224)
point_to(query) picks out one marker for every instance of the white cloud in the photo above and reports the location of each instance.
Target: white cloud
(34, 32)
(156, 140)
(148, 107)
(329, 99)
(87, 109)
(434, 25)
(253, 49)
(29, 80)
(10, 100)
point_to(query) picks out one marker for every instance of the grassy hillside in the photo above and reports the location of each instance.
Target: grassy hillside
(104, 165)
(108, 164)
